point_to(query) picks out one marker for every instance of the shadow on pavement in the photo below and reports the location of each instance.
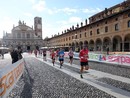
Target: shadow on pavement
(27, 89)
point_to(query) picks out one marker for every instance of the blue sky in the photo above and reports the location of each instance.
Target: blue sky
(57, 15)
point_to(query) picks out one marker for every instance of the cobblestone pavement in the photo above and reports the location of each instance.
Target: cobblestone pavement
(107, 68)
(43, 81)
(118, 84)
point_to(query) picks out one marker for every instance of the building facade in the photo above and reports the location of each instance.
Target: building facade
(109, 28)
(25, 37)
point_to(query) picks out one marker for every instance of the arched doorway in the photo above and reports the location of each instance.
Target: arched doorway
(98, 44)
(86, 43)
(80, 45)
(69, 44)
(28, 48)
(19, 47)
(37, 47)
(127, 43)
(91, 45)
(107, 43)
(117, 43)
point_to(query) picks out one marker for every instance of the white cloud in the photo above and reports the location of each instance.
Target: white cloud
(91, 11)
(32, 1)
(51, 11)
(63, 22)
(40, 6)
(71, 20)
(69, 10)
(74, 20)
(50, 30)
(28, 14)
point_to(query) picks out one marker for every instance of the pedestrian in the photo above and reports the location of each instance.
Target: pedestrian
(2, 54)
(61, 57)
(71, 54)
(20, 54)
(83, 55)
(57, 51)
(14, 55)
(44, 54)
(53, 55)
(107, 50)
(31, 51)
(40, 52)
(35, 52)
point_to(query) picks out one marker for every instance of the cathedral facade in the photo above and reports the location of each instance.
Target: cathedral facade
(25, 37)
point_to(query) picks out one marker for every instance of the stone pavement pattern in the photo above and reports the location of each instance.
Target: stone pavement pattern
(43, 81)
(107, 68)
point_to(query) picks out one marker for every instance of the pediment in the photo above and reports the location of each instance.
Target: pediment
(22, 28)
(17, 28)
(29, 29)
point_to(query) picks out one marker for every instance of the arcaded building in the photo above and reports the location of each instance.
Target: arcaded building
(25, 37)
(109, 28)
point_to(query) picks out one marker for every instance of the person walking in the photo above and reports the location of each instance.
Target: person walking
(57, 51)
(107, 50)
(20, 54)
(14, 55)
(61, 57)
(53, 55)
(44, 54)
(2, 54)
(71, 54)
(35, 52)
(83, 55)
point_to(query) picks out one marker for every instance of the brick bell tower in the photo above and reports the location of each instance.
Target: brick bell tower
(38, 27)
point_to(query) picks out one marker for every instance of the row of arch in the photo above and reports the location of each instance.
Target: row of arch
(114, 44)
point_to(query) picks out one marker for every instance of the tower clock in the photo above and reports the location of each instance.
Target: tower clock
(38, 27)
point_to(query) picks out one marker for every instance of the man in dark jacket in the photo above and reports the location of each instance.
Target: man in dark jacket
(14, 55)
(20, 54)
